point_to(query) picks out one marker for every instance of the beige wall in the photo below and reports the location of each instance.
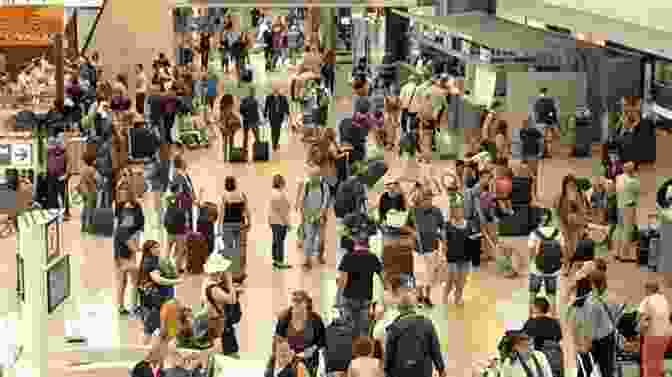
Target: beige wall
(131, 32)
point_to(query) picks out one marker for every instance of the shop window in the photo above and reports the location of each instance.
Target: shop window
(663, 71)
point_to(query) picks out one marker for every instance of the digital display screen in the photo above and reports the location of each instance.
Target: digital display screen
(58, 283)
(345, 20)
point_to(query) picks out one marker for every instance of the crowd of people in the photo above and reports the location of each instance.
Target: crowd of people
(425, 246)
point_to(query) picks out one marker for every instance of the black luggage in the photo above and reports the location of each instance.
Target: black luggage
(262, 148)
(521, 191)
(521, 223)
(142, 144)
(102, 218)
(649, 240)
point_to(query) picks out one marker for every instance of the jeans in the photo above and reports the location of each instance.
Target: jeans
(279, 235)
(311, 239)
(604, 353)
(357, 310)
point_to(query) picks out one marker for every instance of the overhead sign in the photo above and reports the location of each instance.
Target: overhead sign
(5, 154)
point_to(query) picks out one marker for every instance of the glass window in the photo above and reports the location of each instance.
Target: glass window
(664, 71)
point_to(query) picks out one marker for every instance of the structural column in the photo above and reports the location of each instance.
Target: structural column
(328, 27)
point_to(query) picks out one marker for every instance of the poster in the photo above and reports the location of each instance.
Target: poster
(484, 85)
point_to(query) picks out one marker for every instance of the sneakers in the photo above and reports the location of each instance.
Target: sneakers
(281, 265)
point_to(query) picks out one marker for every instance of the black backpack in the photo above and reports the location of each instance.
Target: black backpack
(530, 137)
(339, 337)
(104, 164)
(544, 110)
(349, 197)
(549, 258)
(249, 109)
(406, 350)
(25, 120)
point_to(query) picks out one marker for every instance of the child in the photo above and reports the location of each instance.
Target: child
(460, 246)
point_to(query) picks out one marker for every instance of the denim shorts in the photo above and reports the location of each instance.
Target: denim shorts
(550, 284)
(459, 267)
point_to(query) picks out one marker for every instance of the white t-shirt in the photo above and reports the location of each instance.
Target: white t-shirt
(658, 310)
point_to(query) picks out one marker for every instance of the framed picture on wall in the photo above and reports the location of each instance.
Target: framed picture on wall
(53, 239)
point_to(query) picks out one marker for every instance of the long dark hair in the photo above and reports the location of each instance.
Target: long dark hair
(143, 276)
(562, 204)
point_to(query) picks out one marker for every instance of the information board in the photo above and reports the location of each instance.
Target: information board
(58, 283)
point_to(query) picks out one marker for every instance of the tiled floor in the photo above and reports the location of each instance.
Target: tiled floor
(470, 332)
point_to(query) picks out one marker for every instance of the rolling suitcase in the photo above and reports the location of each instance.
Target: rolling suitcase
(197, 248)
(262, 148)
(102, 217)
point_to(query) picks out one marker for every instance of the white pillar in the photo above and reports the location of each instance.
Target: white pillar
(33, 324)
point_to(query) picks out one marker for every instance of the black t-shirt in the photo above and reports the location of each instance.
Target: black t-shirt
(360, 267)
(457, 237)
(121, 237)
(543, 328)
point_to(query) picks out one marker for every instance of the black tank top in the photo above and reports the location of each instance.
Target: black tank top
(233, 212)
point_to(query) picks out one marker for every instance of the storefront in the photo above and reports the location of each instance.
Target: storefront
(25, 34)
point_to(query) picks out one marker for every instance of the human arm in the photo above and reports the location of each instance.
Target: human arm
(248, 214)
(298, 204)
(435, 349)
(220, 295)
(341, 275)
